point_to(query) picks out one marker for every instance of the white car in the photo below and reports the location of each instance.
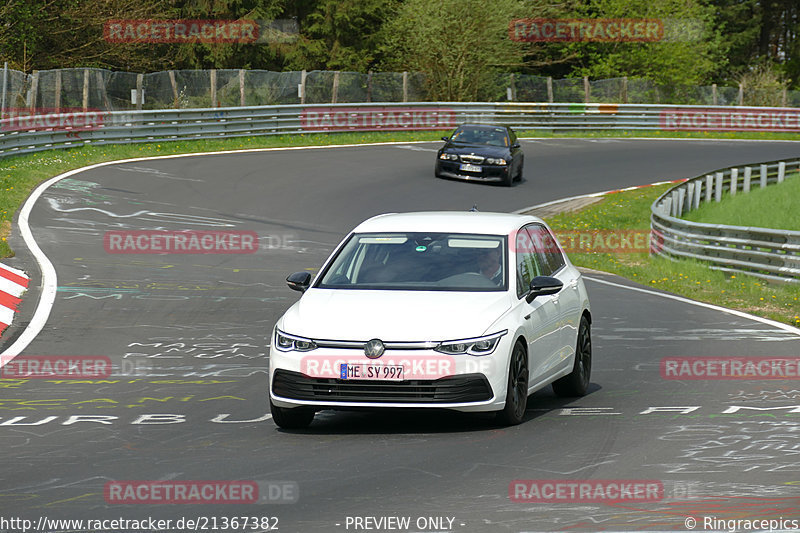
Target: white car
(459, 310)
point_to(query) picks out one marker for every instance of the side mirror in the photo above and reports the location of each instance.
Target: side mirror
(299, 281)
(515, 145)
(446, 139)
(542, 286)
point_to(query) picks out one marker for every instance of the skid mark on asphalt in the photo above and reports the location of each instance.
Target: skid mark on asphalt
(152, 171)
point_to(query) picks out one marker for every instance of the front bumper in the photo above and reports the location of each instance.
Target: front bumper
(492, 173)
(471, 383)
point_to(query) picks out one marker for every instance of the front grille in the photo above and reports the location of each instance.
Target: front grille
(472, 159)
(454, 389)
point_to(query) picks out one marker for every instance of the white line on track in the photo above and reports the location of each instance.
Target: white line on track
(50, 280)
(785, 327)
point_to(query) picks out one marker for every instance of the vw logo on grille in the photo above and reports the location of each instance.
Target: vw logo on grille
(374, 348)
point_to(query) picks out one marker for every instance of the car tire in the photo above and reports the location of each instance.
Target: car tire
(508, 179)
(291, 418)
(516, 388)
(519, 172)
(576, 383)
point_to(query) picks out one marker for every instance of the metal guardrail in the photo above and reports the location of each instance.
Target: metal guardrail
(45, 132)
(766, 253)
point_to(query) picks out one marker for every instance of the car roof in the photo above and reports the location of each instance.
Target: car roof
(476, 222)
(483, 126)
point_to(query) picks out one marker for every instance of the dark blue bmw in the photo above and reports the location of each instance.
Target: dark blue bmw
(481, 152)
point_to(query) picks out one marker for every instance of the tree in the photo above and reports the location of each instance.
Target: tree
(460, 45)
(340, 35)
(689, 53)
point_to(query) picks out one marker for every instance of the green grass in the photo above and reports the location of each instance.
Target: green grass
(776, 206)
(693, 279)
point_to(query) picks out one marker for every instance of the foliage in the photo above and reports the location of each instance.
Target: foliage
(458, 44)
(691, 50)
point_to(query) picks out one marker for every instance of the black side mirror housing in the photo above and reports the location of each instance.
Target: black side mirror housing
(446, 139)
(515, 145)
(542, 286)
(299, 281)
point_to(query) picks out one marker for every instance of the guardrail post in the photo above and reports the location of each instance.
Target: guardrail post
(734, 181)
(781, 171)
(57, 91)
(335, 88)
(512, 89)
(175, 102)
(709, 186)
(213, 87)
(586, 89)
(139, 93)
(698, 193)
(740, 97)
(675, 207)
(748, 174)
(689, 195)
(718, 190)
(763, 176)
(713, 94)
(405, 85)
(242, 99)
(667, 207)
(783, 97)
(85, 89)
(302, 87)
(550, 89)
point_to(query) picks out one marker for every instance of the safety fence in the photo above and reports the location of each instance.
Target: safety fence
(24, 132)
(767, 253)
(106, 90)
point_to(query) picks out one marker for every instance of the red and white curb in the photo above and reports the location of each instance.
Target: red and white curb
(13, 283)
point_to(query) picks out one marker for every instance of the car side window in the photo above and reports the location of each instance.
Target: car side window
(547, 250)
(529, 263)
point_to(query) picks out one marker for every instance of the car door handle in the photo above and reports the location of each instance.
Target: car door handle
(528, 316)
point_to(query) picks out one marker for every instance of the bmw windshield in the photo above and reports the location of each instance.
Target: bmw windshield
(489, 136)
(420, 261)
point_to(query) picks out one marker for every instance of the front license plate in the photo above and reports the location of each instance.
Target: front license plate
(373, 372)
(470, 168)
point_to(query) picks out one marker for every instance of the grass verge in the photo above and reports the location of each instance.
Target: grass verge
(693, 279)
(776, 207)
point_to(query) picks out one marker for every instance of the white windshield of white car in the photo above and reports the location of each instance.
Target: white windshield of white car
(420, 261)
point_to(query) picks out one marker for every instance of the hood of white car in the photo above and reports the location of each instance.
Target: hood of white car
(393, 316)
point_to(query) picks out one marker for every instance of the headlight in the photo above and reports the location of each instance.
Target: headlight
(491, 161)
(448, 157)
(287, 343)
(477, 346)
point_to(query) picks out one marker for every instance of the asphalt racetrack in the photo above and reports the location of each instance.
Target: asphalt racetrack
(190, 335)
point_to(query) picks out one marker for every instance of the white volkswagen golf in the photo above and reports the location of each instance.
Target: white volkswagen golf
(458, 310)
